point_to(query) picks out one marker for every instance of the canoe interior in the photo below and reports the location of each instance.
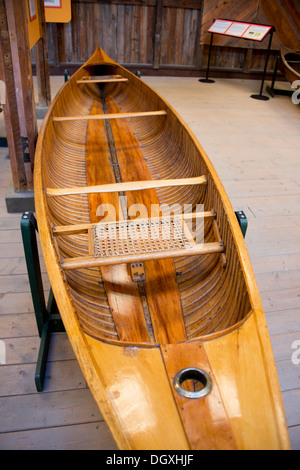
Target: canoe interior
(181, 299)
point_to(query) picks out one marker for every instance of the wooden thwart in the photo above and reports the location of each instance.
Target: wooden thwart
(102, 80)
(90, 261)
(84, 228)
(110, 116)
(127, 186)
(140, 240)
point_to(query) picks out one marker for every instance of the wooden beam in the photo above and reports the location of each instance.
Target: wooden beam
(281, 15)
(42, 59)
(90, 261)
(11, 117)
(109, 116)
(128, 186)
(157, 33)
(21, 65)
(191, 4)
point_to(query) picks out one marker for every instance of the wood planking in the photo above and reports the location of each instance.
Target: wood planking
(126, 31)
(179, 36)
(284, 15)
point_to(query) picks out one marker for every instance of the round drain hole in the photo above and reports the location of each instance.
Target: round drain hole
(192, 383)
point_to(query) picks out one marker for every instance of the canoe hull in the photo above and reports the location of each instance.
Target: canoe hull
(291, 64)
(132, 377)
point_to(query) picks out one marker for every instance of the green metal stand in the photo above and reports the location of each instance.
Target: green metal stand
(47, 317)
(277, 91)
(242, 220)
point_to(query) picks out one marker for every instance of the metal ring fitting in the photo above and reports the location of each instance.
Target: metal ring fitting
(198, 376)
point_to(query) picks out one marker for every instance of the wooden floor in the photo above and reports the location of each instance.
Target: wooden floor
(254, 146)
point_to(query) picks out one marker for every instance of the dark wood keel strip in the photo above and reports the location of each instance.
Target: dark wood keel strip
(205, 419)
(123, 294)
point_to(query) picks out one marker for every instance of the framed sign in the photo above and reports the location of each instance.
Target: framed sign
(255, 32)
(58, 11)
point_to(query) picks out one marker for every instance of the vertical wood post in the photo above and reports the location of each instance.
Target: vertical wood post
(11, 117)
(157, 33)
(42, 59)
(19, 109)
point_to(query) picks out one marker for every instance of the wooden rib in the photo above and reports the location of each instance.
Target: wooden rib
(109, 116)
(128, 186)
(84, 228)
(89, 261)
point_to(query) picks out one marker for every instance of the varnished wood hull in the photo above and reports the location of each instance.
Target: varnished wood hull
(191, 312)
(291, 64)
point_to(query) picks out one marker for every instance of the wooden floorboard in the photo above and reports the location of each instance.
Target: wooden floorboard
(254, 147)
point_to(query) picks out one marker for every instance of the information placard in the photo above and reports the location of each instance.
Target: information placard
(238, 29)
(34, 33)
(57, 11)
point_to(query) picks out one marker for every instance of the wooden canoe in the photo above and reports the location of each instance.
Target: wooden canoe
(171, 337)
(290, 61)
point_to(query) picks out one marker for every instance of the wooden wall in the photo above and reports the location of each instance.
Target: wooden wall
(159, 36)
(285, 16)
(149, 33)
